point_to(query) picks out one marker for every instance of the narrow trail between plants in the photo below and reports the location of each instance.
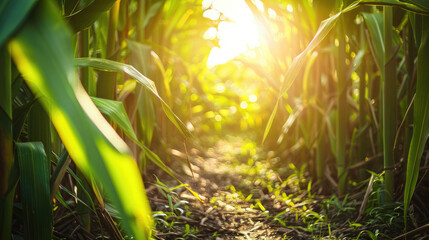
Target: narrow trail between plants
(238, 187)
(247, 193)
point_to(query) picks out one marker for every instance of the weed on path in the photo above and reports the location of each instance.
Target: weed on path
(246, 195)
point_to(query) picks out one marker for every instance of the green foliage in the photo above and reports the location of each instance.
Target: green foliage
(83, 139)
(42, 52)
(170, 219)
(12, 14)
(107, 65)
(421, 123)
(34, 187)
(142, 65)
(85, 17)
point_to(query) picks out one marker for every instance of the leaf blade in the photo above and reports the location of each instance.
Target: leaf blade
(42, 52)
(12, 14)
(108, 65)
(421, 117)
(34, 171)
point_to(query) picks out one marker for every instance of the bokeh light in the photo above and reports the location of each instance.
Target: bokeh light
(237, 33)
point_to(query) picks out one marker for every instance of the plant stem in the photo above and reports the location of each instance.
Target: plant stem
(341, 127)
(362, 104)
(389, 104)
(7, 192)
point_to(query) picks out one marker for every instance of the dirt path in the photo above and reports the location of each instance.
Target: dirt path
(237, 204)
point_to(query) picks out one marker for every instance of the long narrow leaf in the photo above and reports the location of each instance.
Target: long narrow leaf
(85, 17)
(409, 5)
(143, 109)
(42, 52)
(374, 23)
(116, 111)
(421, 117)
(421, 3)
(34, 171)
(12, 14)
(270, 120)
(108, 65)
(324, 29)
(58, 174)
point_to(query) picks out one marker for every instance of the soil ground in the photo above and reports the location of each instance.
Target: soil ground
(223, 214)
(245, 193)
(244, 198)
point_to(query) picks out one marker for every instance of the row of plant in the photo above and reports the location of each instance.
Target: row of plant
(82, 81)
(355, 92)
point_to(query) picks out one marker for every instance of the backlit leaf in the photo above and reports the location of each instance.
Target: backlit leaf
(108, 65)
(43, 53)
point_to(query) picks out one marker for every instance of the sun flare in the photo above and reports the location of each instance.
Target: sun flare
(237, 32)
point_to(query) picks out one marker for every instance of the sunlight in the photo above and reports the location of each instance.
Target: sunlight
(243, 104)
(237, 31)
(253, 98)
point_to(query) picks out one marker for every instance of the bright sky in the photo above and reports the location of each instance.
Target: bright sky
(236, 37)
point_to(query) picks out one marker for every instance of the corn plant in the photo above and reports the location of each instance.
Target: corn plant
(380, 33)
(36, 42)
(99, 83)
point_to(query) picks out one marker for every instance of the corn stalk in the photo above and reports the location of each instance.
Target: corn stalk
(389, 103)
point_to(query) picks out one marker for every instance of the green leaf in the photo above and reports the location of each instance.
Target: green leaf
(76, 5)
(116, 112)
(161, 68)
(87, 16)
(270, 120)
(291, 120)
(143, 110)
(60, 199)
(421, 117)
(81, 184)
(410, 5)
(374, 22)
(19, 115)
(153, 10)
(420, 3)
(416, 24)
(299, 61)
(12, 14)
(108, 65)
(34, 186)
(43, 53)
(63, 163)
